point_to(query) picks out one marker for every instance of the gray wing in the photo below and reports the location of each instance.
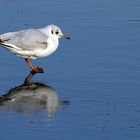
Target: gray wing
(26, 39)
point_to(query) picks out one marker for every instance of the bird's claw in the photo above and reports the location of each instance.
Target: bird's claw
(37, 70)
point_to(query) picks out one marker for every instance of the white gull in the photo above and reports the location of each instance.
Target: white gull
(33, 43)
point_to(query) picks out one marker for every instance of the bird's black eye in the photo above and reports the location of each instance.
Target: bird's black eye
(57, 32)
(52, 31)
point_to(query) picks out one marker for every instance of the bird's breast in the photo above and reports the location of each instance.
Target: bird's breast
(51, 47)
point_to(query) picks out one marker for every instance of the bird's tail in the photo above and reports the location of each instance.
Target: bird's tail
(7, 45)
(1, 41)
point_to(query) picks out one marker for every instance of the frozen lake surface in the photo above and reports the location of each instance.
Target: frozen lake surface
(91, 86)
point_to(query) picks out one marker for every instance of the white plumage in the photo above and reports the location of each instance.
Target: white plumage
(33, 43)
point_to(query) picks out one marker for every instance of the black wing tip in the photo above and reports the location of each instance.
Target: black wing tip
(1, 41)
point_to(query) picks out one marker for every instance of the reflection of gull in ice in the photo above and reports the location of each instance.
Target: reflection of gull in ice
(32, 98)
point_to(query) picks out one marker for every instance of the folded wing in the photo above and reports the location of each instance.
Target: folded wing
(25, 40)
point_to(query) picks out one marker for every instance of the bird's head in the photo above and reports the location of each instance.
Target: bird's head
(55, 31)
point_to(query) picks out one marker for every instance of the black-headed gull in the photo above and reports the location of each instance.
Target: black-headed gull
(33, 43)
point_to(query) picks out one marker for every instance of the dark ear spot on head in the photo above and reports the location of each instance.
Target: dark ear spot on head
(57, 32)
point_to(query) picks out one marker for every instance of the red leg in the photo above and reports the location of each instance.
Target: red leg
(34, 69)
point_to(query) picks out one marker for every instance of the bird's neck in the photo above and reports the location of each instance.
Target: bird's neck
(52, 39)
(44, 30)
